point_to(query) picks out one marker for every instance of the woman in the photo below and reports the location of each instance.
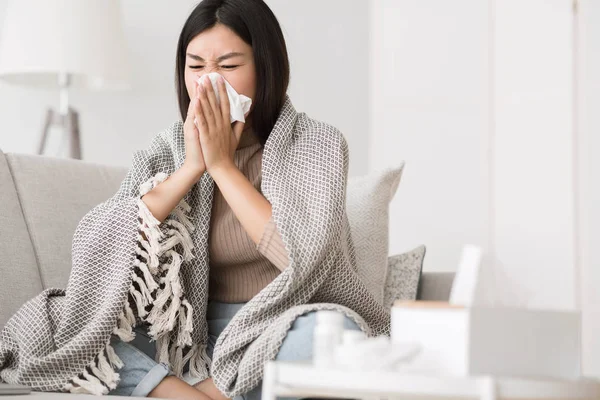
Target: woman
(216, 38)
(237, 234)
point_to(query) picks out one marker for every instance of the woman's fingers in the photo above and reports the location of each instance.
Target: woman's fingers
(201, 123)
(224, 101)
(205, 98)
(212, 98)
(190, 111)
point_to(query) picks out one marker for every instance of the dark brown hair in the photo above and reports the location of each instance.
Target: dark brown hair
(254, 22)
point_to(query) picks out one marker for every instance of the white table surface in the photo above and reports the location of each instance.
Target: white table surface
(62, 396)
(302, 379)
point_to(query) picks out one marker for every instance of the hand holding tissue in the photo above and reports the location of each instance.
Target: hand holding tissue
(239, 104)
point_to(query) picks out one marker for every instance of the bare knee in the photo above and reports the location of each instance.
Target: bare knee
(208, 387)
(172, 387)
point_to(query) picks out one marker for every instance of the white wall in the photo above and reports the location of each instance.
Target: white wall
(589, 166)
(329, 65)
(429, 98)
(328, 81)
(480, 106)
(533, 203)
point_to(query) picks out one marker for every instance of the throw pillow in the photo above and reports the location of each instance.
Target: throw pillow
(367, 203)
(404, 274)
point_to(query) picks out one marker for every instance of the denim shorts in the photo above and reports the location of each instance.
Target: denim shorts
(141, 374)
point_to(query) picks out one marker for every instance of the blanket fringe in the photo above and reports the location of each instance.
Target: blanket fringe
(162, 349)
(125, 323)
(86, 386)
(199, 361)
(159, 300)
(101, 377)
(196, 355)
(113, 359)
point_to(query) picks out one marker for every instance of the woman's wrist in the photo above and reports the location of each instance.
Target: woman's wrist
(192, 172)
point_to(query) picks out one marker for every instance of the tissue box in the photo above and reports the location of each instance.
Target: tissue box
(513, 342)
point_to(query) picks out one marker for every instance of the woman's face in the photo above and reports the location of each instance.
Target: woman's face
(219, 49)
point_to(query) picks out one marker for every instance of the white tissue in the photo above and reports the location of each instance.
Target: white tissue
(239, 104)
(481, 281)
(374, 354)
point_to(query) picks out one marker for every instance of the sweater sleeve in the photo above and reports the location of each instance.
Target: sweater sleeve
(272, 247)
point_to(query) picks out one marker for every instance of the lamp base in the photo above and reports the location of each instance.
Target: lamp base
(70, 124)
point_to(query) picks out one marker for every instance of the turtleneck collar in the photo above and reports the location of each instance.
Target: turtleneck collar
(248, 138)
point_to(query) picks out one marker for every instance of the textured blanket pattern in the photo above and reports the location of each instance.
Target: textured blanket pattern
(128, 268)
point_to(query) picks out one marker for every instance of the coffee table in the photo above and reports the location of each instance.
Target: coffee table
(304, 380)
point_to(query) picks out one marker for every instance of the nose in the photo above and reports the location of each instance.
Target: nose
(205, 71)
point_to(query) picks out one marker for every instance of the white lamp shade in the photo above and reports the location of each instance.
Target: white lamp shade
(42, 38)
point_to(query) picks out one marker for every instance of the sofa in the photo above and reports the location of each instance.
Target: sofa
(43, 199)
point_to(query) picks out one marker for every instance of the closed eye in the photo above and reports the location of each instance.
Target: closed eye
(223, 66)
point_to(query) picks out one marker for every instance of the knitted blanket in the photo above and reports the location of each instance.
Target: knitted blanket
(60, 339)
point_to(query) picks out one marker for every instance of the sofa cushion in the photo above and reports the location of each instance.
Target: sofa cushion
(435, 286)
(18, 266)
(55, 194)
